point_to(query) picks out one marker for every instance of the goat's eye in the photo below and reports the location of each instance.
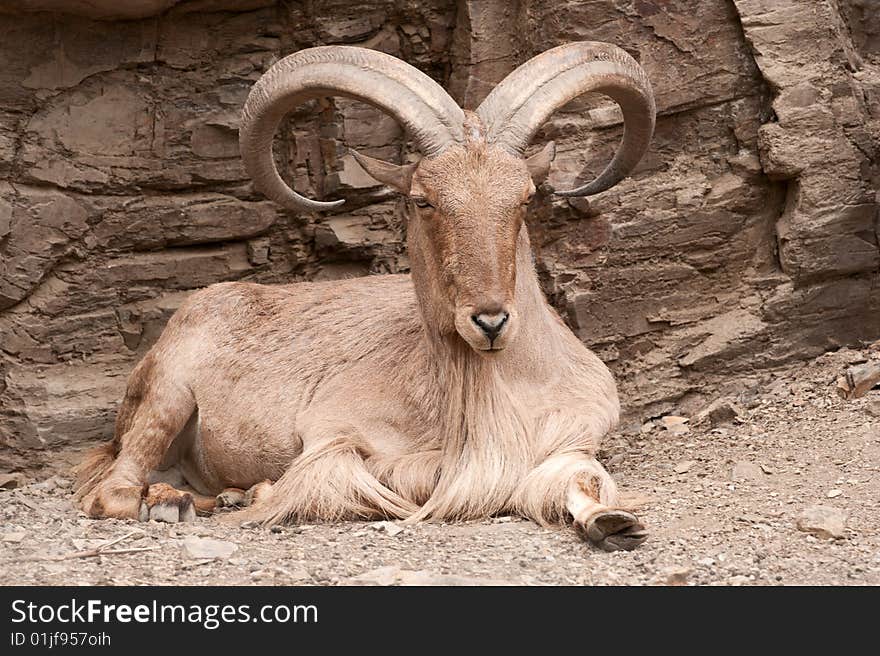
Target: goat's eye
(421, 202)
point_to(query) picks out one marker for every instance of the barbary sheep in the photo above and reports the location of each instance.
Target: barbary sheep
(452, 393)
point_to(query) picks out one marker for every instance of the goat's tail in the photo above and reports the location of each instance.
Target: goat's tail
(93, 469)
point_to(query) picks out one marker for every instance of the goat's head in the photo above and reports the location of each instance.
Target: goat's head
(468, 194)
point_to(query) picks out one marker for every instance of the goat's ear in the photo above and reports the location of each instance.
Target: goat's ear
(396, 176)
(539, 163)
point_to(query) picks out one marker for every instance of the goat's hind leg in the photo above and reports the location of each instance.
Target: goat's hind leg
(235, 497)
(113, 481)
(328, 481)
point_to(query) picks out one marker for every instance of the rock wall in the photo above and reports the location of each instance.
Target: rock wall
(746, 239)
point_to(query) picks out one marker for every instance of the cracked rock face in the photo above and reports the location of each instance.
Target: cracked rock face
(746, 238)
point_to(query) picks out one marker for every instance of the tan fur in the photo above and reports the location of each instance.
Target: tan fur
(378, 397)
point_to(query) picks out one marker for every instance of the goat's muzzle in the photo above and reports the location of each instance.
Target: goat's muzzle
(491, 324)
(487, 329)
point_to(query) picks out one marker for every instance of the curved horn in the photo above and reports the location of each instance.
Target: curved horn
(431, 117)
(527, 97)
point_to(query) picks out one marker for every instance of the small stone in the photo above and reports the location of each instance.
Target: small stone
(258, 251)
(720, 411)
(823, 521)
(387, 575)
(504, 519)
(14, 537)
(685, 466)
(750, 518)
(392, 575)
(630, 428)
(298, 575)
(857, 380)
(12, 481)
(873, 408)
(47, 485)
(389, 528)
(636, 500)
(208, 548)
(647, 427)
(738, 580)
(834, 493)
(746, 471)
(672, 420)
(767, 470)
(676, 575)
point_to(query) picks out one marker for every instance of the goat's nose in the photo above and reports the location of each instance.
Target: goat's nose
(490, 324)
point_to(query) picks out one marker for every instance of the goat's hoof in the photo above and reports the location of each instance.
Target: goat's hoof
(231, 497)
(614, 530)
(164, 503)
(258, 493)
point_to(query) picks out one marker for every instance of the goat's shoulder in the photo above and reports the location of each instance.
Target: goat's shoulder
(257, 328)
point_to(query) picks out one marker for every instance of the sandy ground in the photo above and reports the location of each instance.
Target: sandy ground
(722, 503)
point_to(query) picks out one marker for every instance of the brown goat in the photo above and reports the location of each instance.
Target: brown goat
(453, 393)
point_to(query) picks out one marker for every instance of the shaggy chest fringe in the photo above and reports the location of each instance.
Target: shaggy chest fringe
(487, 443)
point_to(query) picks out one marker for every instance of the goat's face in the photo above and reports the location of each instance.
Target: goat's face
(470, 203)
(467, 206)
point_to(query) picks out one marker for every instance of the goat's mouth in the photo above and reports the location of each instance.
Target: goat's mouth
(486, 350)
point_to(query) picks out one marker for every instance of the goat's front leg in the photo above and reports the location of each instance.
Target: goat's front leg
(576, 486)
(607, 526)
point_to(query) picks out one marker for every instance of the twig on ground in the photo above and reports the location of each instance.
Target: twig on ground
(125, 551)
(187, 566)
(29, 504)
(101, 550)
